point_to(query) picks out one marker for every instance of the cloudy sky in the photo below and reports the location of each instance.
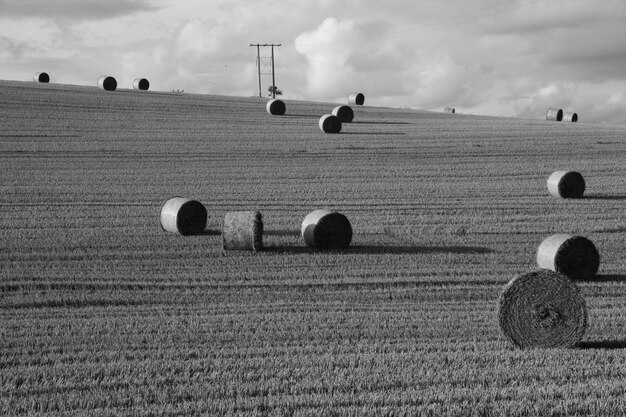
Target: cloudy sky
(493, 57)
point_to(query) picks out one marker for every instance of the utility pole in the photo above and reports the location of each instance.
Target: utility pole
(258, 63)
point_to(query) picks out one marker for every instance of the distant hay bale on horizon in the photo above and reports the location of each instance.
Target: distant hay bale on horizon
(183, 216)
(554, 115)
(324, 229)
(357, 99)
(344, 113)
(570, 117)
(141, 84)
(276, 107)
(449, 110)
(573, 256)
(107, 83)
(330, 124)
(41, 77)
(243, 230)
(542, 309)
(566, 184)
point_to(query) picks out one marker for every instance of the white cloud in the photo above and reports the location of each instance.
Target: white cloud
(327, 50)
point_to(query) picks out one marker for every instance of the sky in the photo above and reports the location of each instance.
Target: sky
(512, 58)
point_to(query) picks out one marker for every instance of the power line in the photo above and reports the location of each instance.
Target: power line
(258, 63)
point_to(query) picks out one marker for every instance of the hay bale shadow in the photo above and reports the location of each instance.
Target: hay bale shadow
(310, 116)
(606, 278)
(373, 249)
(379, 123)
(374, 133)
(210, 233)
(295, 233)
(605, 197)
(602, 344)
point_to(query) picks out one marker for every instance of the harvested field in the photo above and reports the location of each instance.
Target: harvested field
(103, 312)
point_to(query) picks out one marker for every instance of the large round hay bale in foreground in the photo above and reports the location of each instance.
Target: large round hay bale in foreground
(542, 309)
(183, 216)
(570, 117)
(276, 107)
(324, 229)
(107, 83)
(343, 113)
(243, 230)
(330, 124)
(356, 99)
(141, 84)
(566, 184)
(554, 115)
(573, 256)
(41, 77)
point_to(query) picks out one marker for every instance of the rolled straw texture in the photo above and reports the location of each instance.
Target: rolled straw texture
(41, 77)
(450, 110)
(107, 83)
(542, 309)
(343, 113)
(573, 256)
(555, 115)
(276, 107)
(141, 84)
(356, 99)
(324, 229)
(566, 184)
(243, 230)
(330, 124)
(570, 117)
(183, 216)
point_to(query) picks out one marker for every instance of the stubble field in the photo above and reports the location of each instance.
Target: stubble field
(104, 313)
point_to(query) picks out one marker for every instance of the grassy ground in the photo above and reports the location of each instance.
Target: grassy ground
(102, 312)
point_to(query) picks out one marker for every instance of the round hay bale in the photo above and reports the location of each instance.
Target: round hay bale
(107, 83)
(542, 309)
(573, 256)
(356, 99)
(570, 117)
(566, 184)
(344, 113)
(324, 229)
(330, 124)
(141, 84)
(449, 110)
(276, 107)
(554, 115)
(183, 216)
(41, 77)
(243, 230)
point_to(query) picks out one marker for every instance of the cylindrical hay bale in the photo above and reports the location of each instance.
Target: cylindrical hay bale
(330, 124)
(344, 113)
(183, 216)
(555, 115)
(570, 117)
(243, 230)
(324, 229)
(276, 107)
(566, 184)
(450, 110)
(41, 77)
(141, 84)
(573, 256)
(107, 83)
(356, 98)
(542, 309)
